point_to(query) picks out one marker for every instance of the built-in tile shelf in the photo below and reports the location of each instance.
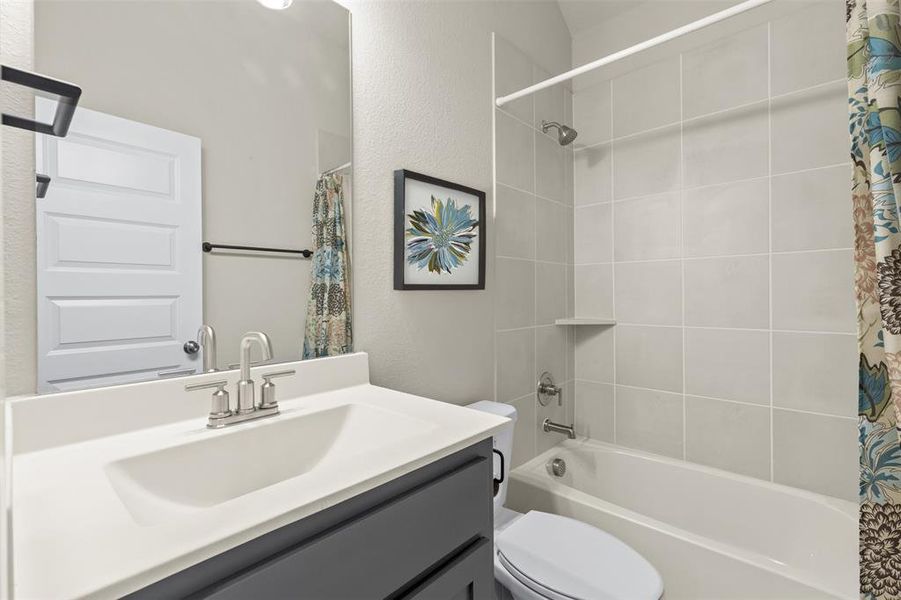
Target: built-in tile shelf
(585, 321)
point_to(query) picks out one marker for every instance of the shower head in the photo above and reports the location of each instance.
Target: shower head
(565, 135)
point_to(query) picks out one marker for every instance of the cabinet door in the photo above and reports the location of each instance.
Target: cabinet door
(380, 552)
(470, 576)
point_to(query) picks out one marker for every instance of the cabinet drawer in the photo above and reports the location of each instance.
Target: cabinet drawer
(470, 576)
(382, 550)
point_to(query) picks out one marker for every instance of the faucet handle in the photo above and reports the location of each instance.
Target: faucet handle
(267, 376)
(206, 385)
(267, 390)
(219, 409)
(253, 363)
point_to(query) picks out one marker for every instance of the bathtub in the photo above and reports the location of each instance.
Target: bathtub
(711, 534)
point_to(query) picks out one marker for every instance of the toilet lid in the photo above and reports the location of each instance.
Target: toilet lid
(575, 560)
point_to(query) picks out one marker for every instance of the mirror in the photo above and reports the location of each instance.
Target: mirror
(205, 134)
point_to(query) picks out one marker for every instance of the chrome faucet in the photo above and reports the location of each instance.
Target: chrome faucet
(246, 402)
(221, 414)
(206, 337)
(549, 425)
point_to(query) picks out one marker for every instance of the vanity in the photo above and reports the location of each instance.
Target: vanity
(352, 491)
(424, 535)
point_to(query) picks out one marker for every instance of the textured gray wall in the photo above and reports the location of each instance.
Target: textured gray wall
(422, 101)
(18, 204)
(16, 151)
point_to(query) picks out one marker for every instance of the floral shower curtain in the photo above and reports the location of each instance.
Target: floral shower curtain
(874, 90)
(329, 330)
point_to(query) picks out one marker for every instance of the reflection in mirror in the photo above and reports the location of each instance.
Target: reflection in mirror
(218, 122)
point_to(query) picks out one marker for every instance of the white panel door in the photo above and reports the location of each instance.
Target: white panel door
(119, 273)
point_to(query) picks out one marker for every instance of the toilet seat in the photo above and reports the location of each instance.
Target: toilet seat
(564, 559)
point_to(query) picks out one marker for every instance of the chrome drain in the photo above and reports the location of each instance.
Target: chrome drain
(557, 467)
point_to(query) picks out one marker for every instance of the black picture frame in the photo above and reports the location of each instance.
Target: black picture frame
(400, 204)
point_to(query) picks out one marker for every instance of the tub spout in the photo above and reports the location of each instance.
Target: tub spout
(549, 425)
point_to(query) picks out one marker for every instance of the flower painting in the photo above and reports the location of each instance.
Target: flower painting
(440, 239)
(439, 228)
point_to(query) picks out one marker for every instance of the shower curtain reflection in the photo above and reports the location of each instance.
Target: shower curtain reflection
(329, 330)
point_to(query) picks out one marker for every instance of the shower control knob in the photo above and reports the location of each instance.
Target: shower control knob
(191, 347)
(548, 389)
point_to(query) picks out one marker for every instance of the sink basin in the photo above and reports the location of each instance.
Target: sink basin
(175, 481)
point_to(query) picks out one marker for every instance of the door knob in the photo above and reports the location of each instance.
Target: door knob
(191, 347)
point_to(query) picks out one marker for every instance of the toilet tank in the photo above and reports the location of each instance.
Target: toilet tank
(503, 442)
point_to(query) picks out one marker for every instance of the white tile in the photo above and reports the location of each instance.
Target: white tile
(594, 291)
(549, 168)
(649, 420)
(593, 234)
(515, 298)
(514, 222)
(515, 363)
(524, 431)
(732, 218)
(726, 73)
(593, 119)
(593, 175)
(553, 231)
(649, 293)
(594, 410)
(816, 453)
(550, 353)
(647, 164)
(568, 176)
(594, 353)
(726, 146)
(728, 435)
(809, 45)
(646, 98)
(810, 128)
(514, 154)
(569, 234)
(726, 363)
(649, 357)
(727, 292)
(570, 352)
(549, 101)
(550, 293)
(813, 291)
(512, 72)
(647, 228)
(816, 372)
(811, 210)
(570, 291)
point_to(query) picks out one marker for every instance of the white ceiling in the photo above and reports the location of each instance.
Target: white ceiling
(583, 15)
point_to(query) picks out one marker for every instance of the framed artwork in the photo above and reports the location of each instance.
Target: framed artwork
(439, 234)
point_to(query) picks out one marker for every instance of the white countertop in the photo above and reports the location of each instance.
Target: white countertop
(74, 537)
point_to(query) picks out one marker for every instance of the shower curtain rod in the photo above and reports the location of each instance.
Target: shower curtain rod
(655, 41)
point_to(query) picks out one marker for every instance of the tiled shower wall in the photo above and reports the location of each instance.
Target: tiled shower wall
(533, 268)
(712, 221)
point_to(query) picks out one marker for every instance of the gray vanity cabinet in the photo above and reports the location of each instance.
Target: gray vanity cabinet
(424, 536)
(464, 578)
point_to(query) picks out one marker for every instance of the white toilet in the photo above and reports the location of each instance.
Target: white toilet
(540, 556)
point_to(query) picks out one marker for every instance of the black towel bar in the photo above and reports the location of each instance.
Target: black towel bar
(65, 109)
(208, 247)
